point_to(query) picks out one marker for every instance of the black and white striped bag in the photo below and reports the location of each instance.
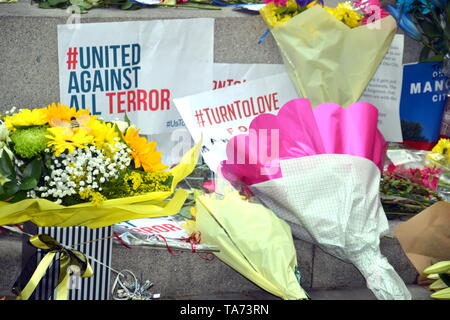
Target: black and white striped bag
(82, 239)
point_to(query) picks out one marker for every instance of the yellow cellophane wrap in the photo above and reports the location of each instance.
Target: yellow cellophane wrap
(43, 212)
(252, 240)
(327, 60)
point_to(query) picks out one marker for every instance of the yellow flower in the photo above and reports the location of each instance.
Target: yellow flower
(442, 147)
(103, 132)
(441, 151)
(61, 142)
(143, 152)
(26, 118)
(274, 15)
(63, 113)
(346, 13)
(95, 197)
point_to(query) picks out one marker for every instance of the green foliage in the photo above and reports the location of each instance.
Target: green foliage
(29, 142)
(19, 182)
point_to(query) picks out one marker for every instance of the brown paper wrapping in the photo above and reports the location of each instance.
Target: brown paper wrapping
(425, 238)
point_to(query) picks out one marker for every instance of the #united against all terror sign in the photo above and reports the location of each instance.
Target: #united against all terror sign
(135, 68)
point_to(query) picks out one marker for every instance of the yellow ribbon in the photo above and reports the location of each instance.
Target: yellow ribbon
(68, 257)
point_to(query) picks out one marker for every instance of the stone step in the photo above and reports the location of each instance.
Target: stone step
(186, 274)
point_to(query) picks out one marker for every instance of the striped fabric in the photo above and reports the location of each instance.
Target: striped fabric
(93, 288)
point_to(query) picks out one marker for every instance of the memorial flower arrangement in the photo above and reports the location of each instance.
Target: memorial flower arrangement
(70, 156)
(440, 272)
(329, 53)
(277, 12)
(425, 21)
(63, 158)
(323, 177)
(408, 191)
(83, 6)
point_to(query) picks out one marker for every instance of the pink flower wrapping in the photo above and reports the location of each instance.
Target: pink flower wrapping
(300, 131)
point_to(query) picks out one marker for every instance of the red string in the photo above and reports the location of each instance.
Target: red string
(121, 241)
(194, 239)
(167, 245)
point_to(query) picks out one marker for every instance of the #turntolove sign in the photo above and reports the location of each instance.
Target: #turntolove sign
(217, 115)
(135, 68)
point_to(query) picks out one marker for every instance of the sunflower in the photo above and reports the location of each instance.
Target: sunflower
(63, 113)
(26, 118)
(143, 152)
(62, 142)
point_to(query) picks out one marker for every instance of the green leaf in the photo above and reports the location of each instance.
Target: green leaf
(424, 53)
(54, 3)
(82, 4)
(130, 5)
(6, 165)
(430, 29)
(33, 169)
(28, 183)
(19, 196)
(11, 187)
(45, 5)
(126, 119)
(436, 58)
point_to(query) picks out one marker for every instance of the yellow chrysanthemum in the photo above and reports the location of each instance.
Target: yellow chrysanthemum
(346, 13)
(103, 132)
(275, 15)
(26, 118)
(63, 113)
(61, 142)
(143, 152)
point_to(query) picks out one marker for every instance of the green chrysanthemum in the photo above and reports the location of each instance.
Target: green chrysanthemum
(29, 142)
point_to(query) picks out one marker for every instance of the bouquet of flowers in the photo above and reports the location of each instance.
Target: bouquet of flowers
(440, 272)
(252, 240)
(319, 168)
(416, 179)
(426, 21)
(406, 191)
(330, 53)
(63, 167)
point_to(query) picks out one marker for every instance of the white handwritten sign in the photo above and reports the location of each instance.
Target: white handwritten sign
(217, 115)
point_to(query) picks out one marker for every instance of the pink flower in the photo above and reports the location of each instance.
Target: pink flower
(427, 177)
(371, 9)
(209, 186)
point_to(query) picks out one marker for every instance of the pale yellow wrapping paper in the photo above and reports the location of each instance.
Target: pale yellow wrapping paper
(252, 240)
(329, 61)
(46, 213)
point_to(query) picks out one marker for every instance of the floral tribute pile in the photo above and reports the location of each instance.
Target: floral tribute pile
(353, 14)
(69, 156)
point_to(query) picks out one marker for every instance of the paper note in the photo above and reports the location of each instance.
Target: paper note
(384, 90)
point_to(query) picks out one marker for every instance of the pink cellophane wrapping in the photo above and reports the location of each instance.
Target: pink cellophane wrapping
(299, 131)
